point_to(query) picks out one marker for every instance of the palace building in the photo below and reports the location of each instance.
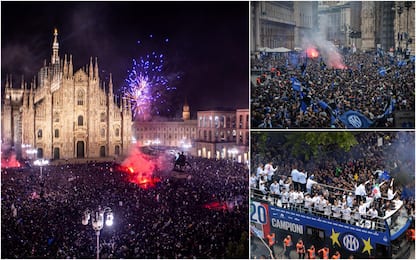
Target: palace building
(65, 114)
(220, 134)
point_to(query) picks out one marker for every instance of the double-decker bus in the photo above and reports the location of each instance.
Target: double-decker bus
(380, 237)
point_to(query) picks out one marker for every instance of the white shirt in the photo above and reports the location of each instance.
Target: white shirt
(346, 213)
(274, 188)
(302, 177)
(372, 213)
(253, 181)
(337, 211)
(308, 202)
(295, 174)
(260, 172)
(285, 197)
(309, 183)
(362, 209)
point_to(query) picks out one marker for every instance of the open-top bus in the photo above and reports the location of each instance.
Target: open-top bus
(380, 237)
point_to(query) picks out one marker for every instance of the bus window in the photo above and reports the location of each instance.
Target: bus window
(315, 233)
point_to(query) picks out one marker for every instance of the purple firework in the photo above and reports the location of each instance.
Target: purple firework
(147, 85)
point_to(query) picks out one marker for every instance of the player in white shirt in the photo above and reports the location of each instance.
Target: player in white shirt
(308, 203)
(253, 181)
(269, 170)
(285, 198)
(260, 171)
(336, 210)
(390, 193)
(346, 214)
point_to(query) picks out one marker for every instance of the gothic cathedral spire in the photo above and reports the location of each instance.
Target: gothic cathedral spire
(55, 48)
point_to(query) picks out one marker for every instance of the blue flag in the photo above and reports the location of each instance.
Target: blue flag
(322, 104)
(382, 71)
(354, 119)
(385, 176)
(296, 85)
(401, 63)
(390, 108)
(303, 106)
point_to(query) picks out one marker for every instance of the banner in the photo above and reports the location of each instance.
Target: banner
(354, 119)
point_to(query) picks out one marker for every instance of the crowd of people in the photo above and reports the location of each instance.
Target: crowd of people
(370, 83)
(41, 217)
(349, 186)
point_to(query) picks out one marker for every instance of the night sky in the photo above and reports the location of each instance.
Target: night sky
(207, 43)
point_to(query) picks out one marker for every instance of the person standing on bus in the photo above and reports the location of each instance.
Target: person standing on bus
(287, 244)
(260, 171)
(309, 183)
(300, 249)
(390, 192)
(285, 198)
(337, 255)
(268, 168)
(360, 191)
(275, 191)
(311, 252)
(325, 252)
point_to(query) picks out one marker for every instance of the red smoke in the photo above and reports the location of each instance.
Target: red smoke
(10, 162)
(140, 168)
(312, 52)
(216, 206)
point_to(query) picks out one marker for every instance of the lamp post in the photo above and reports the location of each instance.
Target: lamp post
(98, 221)
(41, 163)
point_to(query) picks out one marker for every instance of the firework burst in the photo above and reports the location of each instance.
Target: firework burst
(148, 85)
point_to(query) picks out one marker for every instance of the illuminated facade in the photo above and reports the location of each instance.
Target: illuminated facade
(65, 114)
(215, 134)
(223, 134)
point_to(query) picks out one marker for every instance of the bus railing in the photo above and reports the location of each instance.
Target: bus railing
(375, 223)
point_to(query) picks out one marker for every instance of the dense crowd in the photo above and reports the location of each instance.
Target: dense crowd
(367, 85)
(41, 217)
(369, 181)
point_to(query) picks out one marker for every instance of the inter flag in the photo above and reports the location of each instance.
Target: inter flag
(296, 85)
(385, 175)
(390, 108)
(354, 119)
(382, 71)
(401, 63)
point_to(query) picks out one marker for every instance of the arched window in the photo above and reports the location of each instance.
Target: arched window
(56, 133)
(117, 132)
(80, 98)
(102, 117)
(117, 150)
(40, 133)
(102, 132)
(80, 120)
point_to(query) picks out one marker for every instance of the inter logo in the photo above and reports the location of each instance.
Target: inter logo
(351, 243)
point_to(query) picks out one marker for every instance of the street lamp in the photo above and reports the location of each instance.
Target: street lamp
(41, 163)
(98, 221)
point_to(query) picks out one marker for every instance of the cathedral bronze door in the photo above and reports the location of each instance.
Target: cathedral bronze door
(80, 149)
(56, 153)
(102, 151)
